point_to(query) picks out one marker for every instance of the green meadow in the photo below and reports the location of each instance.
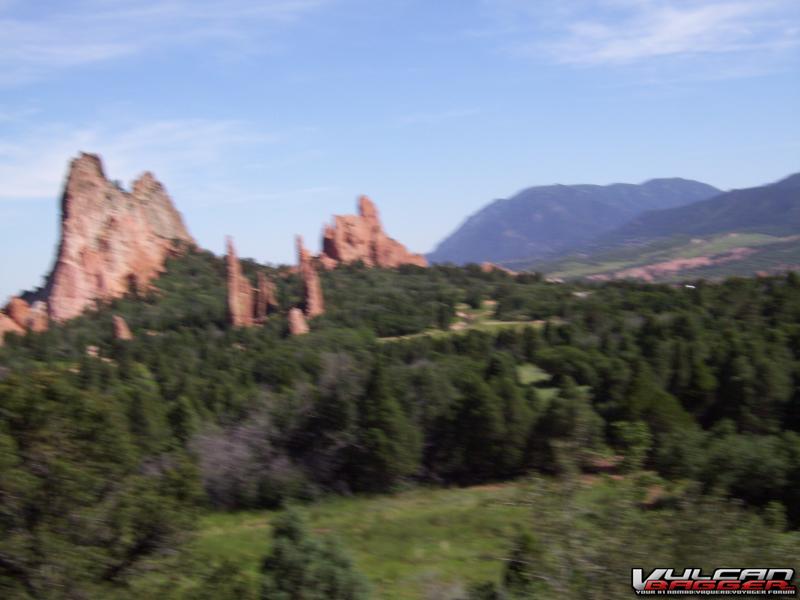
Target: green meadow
(423, 543)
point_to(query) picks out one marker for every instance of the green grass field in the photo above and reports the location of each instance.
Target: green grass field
(417, 544)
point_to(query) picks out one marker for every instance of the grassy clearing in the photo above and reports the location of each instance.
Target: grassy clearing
(417, 544)
(468, 319)
(530, 374)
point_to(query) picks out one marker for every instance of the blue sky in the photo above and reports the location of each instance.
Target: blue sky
(265, 117)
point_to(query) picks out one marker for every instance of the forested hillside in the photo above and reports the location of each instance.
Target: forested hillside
(111, 448)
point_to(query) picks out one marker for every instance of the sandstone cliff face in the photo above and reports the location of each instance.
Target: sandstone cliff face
(361, 237)
(314, 302)
(111, 240)
(240, 292)
(297, 322)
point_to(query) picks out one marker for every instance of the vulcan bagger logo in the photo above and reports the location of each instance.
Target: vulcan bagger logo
(722, 582)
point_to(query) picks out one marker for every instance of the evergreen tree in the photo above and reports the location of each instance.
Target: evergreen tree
(302, 567)
(519, 578)
(388, 446)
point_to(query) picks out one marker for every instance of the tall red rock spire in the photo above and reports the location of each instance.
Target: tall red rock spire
(297, 322)
(314, 302)
(111, 240)
(240, 292)
(265, 297)
(121, 329)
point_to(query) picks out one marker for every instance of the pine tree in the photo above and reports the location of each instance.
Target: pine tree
(519, 579)
(388, 446)
(302, 567)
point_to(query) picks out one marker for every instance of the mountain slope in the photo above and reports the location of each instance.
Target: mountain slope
(771, 209)
(543, 221)
(739, 232)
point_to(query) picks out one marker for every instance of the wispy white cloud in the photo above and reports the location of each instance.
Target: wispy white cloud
(36, 44)
(621, 32)
(32, 166)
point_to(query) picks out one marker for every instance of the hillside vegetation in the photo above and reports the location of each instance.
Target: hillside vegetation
(742, 232)
(119, 458)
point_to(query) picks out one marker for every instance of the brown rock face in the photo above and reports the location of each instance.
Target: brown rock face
(314, 302)
(297, 322)
(111, 240)
(361, 237)
(240, 292)
(8, 325)
(121, 329)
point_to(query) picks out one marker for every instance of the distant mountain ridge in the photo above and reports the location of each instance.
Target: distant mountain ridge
(772, 209)
(545, 221)
(741, 232)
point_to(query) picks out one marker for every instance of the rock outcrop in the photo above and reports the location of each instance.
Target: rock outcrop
(265, 298)
(361, 237)
(312, 289)
(19, 311)
(121, 329)
(111, 240)
(240, 292)
(247, 306)
(38, 319)
(25, 317)
(8, 325)
(662, 270)
(297, 322)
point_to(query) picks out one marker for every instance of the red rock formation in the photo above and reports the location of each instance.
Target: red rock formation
(121, 329)
(8, 325)
(111, 239)
(265, 297)
(297, 322)
(658, 271)
(18, 310)
(28, 317)
(314, 302)
(361, 237)
(240, 292)
(38, 319)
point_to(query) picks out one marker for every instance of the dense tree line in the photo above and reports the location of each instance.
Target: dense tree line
(106, 454)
